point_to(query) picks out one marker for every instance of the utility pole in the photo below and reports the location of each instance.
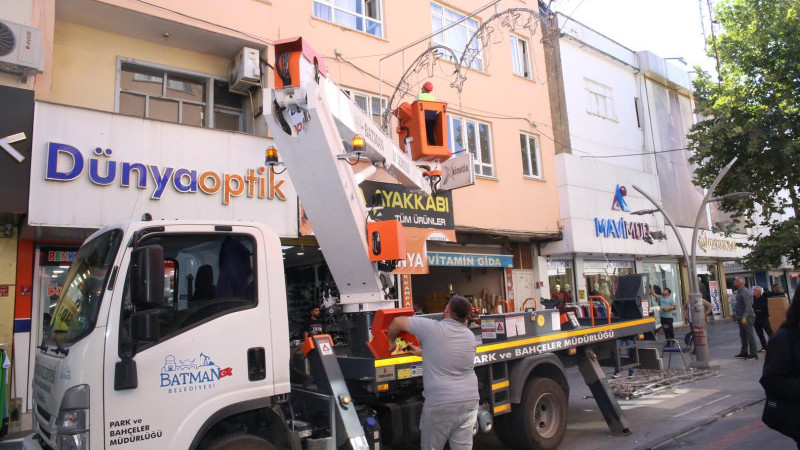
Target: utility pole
(698, 317)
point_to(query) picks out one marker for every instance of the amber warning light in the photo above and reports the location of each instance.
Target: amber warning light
(271, 156)
(358, 144)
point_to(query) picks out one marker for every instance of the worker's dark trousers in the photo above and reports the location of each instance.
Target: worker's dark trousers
(761, 325)
(669, 330)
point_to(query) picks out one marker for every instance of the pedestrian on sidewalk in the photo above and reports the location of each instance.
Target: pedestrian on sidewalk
(667, 304)
(781, 375)
(744, 315)
(761, 308)
(618, 363)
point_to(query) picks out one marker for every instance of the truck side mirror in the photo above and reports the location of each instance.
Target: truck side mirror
(145, 327)
(125, 376)
(146, 274)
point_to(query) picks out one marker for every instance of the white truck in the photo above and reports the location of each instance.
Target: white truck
(174, 334)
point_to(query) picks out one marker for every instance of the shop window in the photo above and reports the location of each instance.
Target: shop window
(459, 29)
(469, 135)
(361, 15)
(780, 280)
(172, 96)
(520, 57)
(205, 276)
(560, 276)
(601, 276)
(529, 145)
(666, 275)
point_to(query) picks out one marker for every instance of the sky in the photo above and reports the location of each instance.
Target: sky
(668, 28)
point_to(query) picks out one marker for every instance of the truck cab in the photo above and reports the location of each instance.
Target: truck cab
(160, 291)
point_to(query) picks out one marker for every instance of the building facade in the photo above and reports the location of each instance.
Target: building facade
(133, 113)
(621, 120)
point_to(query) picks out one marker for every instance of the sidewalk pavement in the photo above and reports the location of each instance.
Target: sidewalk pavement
(658, 418)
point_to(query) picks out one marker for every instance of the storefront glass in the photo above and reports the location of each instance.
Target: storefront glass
(777, 278)
(708, 282)
(667, 275)
(51, 272)
(794, 281)
(601, 276)
(560, 276)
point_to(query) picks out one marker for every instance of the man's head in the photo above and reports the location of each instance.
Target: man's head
(776, 288)
(738, 283)
(427, 87)
(315, 312)
(458, 308)
(757, 291)
(666, 292)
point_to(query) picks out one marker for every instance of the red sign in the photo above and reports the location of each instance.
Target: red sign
(25, 289)
(4, 290)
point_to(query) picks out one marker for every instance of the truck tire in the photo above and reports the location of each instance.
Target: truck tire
(241, 441)
(504, 431)
(540, 419)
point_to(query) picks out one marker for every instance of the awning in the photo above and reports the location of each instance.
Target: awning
(443, 259)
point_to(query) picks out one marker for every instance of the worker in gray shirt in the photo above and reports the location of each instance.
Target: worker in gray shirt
(745, 316)
(449, 381)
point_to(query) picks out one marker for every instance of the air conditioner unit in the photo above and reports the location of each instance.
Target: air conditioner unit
(20, 49)
(245, 71)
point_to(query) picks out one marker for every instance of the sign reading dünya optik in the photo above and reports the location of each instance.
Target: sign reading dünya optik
(65, 163)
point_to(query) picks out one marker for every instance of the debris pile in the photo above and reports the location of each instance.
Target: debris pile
(647, 382)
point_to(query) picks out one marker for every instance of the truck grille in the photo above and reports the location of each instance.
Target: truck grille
(45, 415)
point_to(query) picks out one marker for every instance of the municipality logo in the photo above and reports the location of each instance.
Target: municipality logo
(189, 375)
(619, 203)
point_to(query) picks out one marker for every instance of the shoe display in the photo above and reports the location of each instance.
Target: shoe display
(741, 356)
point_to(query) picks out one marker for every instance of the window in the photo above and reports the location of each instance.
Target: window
(599, 100)
(75, 314)
(520, 57)
(172, 96)
(205, 276)
(361, 15)
(370, 104)
(465, 134)
(456, 36)
(531, 167)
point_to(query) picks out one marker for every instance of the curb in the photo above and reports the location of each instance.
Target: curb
(668, 439)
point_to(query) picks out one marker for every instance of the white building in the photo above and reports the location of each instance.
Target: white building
(620, 119)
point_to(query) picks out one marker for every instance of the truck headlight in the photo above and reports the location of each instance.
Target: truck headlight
(72, 422)
(79, 441)
(69, 422)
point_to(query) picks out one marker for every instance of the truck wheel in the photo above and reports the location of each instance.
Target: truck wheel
(503, 429)
(541, 416)
(241, 442)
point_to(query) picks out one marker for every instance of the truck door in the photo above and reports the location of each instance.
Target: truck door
(195, 363)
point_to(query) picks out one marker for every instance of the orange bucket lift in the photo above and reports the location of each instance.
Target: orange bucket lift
(425, 122)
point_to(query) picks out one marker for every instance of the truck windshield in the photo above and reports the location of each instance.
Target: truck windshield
(76, 311)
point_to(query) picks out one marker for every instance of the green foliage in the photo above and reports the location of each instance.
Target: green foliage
(753, 112)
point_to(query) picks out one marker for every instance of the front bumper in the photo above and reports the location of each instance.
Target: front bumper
(31, 442)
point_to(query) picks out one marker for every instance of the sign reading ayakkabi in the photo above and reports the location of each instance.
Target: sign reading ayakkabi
(412, 209)
(67, 163)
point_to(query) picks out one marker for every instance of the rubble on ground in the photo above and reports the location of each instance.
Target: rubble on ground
(648, 382)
